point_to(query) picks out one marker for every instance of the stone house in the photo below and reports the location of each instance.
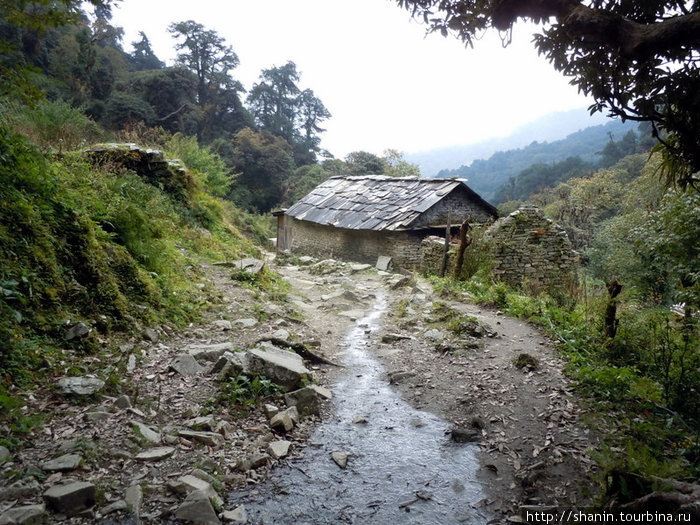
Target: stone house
(360, 218)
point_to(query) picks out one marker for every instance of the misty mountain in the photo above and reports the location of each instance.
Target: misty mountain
(485, 176)
(554, 126)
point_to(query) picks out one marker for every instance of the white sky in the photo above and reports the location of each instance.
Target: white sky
(386, 84)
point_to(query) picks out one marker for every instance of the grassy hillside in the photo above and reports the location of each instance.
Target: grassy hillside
(97, 243)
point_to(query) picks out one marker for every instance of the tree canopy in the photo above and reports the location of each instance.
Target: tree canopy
(638, 59)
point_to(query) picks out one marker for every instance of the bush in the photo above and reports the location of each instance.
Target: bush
(54, 125)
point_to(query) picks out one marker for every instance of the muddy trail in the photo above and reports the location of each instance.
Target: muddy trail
(429, 424)
(160, 444)
(375, 460)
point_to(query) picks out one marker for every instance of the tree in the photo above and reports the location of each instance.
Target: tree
(264, 163)
(279, 106)
(637, 59)
(364, 163)
(311, 114)
(205, 53)
(274, 100)
(19, 18)
(396, 166)
(142, 57)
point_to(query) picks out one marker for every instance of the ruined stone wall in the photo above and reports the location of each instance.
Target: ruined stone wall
(530, 250)
(432, 251)
(355, 245)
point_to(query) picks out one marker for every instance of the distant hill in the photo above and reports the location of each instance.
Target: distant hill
(554, 126)
(485, 176)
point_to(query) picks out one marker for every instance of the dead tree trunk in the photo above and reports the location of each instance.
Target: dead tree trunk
(464, 241)
(611, 320)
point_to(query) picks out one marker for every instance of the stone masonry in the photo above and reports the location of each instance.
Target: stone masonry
(530, 250)
(355, 245)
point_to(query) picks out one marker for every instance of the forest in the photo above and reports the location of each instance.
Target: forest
(81, 240)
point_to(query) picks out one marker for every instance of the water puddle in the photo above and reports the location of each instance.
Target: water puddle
(402, 466)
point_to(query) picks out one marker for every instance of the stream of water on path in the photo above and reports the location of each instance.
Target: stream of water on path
(402, 466)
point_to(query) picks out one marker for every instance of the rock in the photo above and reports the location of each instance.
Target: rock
(280, 334)
(189, 483)
(353, 315)
(117, 506)
(209, 352)
(22, 488)
(434, 335)
(324, 267)
(23, 515)
(131, 364)
(464, 435)
(384, 263)
(152, 436)
(79, 386)
(526, 361)
(64, 463)
(133, 496)
(223, 324)
(122, 402)
(252, 462)
(281, 366)
(4, 454)
(293, 414)
(185, 365)
(322, 391)
(225, 429)
(282, 422)
(340, 458)
(155, 454)
(354, 268)
(249, 265)
(393, 338)
(247, 322)
(77, 330)
(305, 399)
(208, 438)
(204, 476)
(97, 416)
(197, 509)
(71, 498)
(399, 375)
(201, 423)
(397, 281)
(279, 449)
(270, 410)
(151, 335)
(237, 516)
(229, 364)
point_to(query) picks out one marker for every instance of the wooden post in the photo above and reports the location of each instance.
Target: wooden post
(445, 254)
(464, 241)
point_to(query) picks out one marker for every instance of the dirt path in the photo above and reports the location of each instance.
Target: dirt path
(526, 422)
(458, 361)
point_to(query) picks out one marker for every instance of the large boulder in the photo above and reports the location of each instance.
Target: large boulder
(284, 367)
(71, 498)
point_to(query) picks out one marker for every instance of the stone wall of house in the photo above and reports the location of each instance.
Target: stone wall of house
(432, 251)
(459, 205)
(529, 249)
(354, 245)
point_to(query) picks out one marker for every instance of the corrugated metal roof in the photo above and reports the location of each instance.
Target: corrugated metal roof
(374, 202)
